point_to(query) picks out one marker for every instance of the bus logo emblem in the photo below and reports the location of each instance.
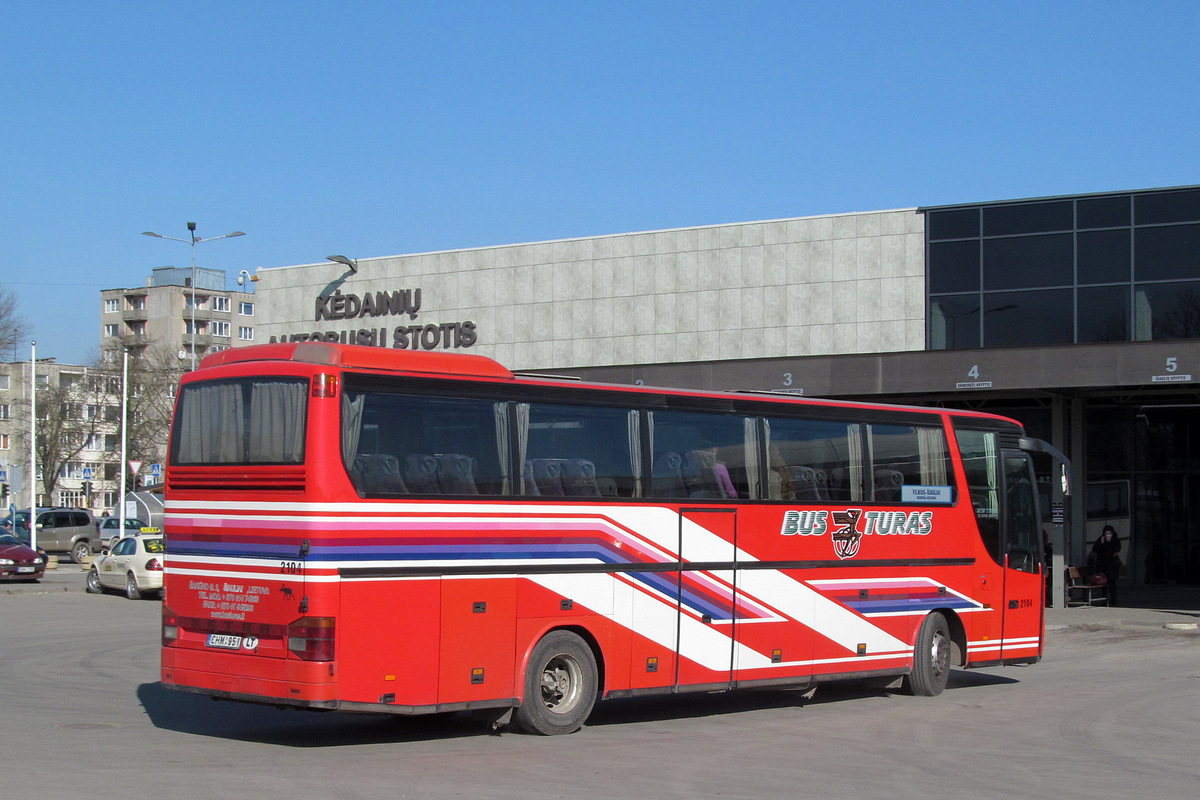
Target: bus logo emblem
(846, 536)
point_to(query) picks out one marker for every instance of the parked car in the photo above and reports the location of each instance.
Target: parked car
(18, 561)
(135, 565)
(64, 530)
(108, 529)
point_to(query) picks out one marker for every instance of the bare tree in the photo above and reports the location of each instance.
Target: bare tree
(14, 327)
(68, 423)
(153, 374)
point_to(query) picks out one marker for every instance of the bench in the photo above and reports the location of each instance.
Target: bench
(1081, 591)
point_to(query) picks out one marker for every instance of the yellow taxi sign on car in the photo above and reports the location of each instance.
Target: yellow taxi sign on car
(149, 529)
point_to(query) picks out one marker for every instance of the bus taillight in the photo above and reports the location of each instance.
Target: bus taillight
(324, 385)
(170, 626)
(311, 638)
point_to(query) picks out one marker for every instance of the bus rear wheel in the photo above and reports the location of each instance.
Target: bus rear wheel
(560, 685)
(931, 657)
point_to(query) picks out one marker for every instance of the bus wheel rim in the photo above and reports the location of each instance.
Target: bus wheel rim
(561, 681)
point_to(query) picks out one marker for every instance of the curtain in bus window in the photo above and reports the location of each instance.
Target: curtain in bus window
(212, 425)
(750, 443)
(503, 451)
(352, 417)
(633, 418)
(934, 471)
(521, 416)
(277, 422)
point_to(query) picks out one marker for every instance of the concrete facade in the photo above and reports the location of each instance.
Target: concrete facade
(828, 285)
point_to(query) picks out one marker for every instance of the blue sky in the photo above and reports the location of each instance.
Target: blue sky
(380, 128)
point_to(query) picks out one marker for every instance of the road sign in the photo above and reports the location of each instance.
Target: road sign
(156, 469)
(135, 466)
(87, 473)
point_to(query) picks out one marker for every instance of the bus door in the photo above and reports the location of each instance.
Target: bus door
(1022, 556)
(706, 597)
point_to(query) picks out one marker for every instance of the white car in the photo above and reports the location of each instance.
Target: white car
(135, 565)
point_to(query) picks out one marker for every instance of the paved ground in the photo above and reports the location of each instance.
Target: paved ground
(1112, 711)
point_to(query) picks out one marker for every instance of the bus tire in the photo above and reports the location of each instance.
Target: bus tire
(560, 685)
(931, 657)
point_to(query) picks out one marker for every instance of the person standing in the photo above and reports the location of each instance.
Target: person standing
(1108, 561)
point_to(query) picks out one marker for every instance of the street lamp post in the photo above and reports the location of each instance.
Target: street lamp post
(195, 240)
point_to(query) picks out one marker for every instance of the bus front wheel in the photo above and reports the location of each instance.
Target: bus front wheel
(931, 657)
(560, 685)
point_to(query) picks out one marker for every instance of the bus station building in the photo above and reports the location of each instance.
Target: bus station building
(1077, 315)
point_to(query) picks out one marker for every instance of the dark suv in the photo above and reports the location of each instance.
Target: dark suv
(63, 530)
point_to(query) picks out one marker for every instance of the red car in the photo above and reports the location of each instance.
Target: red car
(18, 561)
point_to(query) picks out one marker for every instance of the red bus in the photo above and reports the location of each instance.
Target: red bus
(377, 530)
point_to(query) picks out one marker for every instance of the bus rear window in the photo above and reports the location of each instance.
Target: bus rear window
(241, 421)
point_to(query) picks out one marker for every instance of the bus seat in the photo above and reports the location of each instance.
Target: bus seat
(822, 479)
(700, 475)
(838, 484)
(805, 479)
(547, 474)
(377, 473)
(579, 478)
(529, 486)
(667, 479)
(420, 473)
(887, 485)
(456, 474)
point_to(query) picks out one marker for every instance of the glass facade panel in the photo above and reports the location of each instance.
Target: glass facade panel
(1162, 207)
(1102, 212)
(1103, 314)
(1018, 319)
(1166, 311)
(1028, 218)
(954, 322)
(954, 266)
(1103, 256)
(1141, 283)
(1167, 253)
(1025, 262)
(955, 224)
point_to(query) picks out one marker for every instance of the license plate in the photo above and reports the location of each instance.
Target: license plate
(224, 641)
(26, 569)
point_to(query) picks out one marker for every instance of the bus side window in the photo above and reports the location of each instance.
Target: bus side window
(812, 461)
(906, 455)
(394, 443)
(703, 456)
(577, 451)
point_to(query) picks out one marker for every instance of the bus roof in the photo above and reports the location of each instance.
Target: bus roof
(363, 357)
(463, 365)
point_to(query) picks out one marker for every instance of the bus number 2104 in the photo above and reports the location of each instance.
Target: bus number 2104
(291, 567)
